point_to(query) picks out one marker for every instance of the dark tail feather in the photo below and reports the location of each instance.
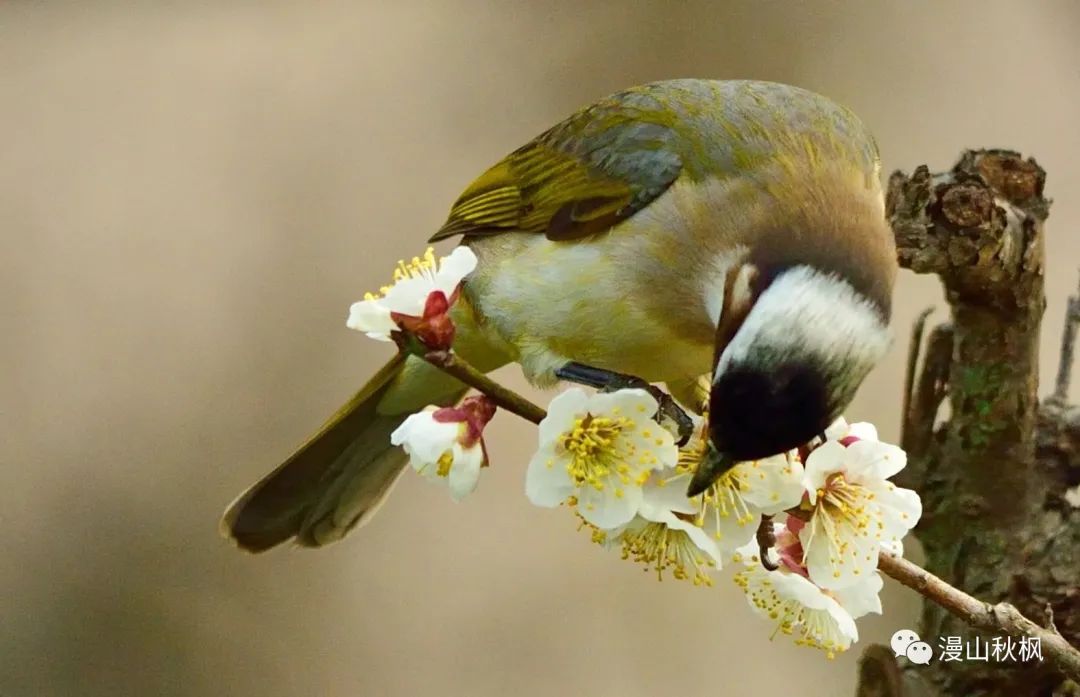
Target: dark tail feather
(334, 482)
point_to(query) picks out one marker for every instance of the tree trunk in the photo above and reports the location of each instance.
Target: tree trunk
(993, 477)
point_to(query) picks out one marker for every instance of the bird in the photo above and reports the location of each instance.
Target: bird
(674, 230)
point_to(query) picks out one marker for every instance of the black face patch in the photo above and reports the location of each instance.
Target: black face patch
(754, 414)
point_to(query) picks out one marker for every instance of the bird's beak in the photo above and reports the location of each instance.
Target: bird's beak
(713, 464)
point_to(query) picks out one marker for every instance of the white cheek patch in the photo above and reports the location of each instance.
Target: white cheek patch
(714, 287)
(806, 313)
(741, 294)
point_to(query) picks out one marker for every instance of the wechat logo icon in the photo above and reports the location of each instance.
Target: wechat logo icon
(906, 643)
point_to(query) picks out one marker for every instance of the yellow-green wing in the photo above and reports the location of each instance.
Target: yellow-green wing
(610, 160)
(583, 176)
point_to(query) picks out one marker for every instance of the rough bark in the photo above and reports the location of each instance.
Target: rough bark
(993, 477)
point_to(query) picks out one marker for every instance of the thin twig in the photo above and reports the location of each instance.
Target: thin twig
(929, 393)
(1002, 617)
(1068, 347)
(454, 365)
(914, 347)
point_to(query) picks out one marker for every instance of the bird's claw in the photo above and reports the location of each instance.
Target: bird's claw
(669, 414)
(677, 420)
(766, 539)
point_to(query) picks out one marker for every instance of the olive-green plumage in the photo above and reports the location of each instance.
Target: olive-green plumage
(628, 237)
(613, 158)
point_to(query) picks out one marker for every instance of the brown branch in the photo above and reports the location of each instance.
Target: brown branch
(1001, 617)
(454, 365)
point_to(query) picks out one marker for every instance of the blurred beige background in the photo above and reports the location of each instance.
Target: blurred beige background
(192, 193)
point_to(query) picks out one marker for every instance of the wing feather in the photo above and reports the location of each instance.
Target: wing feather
(578, 179)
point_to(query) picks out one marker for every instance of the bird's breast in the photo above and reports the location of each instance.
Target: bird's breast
(640, 299)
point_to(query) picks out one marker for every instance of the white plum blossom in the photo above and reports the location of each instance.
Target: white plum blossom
(422, 292)
(816, 617)
(599, 449)
(446, 444)
(798, 607)
(665, 537)
(853, 509)
(731, 508)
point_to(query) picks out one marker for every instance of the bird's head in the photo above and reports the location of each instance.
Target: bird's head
(790, 368)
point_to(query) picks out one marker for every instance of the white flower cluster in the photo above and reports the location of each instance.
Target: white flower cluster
(605, 456)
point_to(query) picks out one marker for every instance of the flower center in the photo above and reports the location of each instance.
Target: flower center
(844, 514)
(598, 450)
(444, 463)
(845, 503)
(663, 548)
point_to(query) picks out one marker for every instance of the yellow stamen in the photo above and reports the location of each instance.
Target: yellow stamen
(842, 514)
(416, 268)
(814, 628)
(599, 450)
(445, 462)
(662, 548)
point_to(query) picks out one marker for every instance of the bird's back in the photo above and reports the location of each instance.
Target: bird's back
(751, 123)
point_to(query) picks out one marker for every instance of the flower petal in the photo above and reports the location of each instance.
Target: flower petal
(371, 317)
(547, 482)
(699, 537)
(841, 429)
(659, 498)
(653, 446)
(726, 516)
(465, 472)
(423, 438)
(634, 403)
(561, 413)
(605, 509)
(826, 459)
(800, 607)
(453, 268)
(837, 429)
(837, 555)
(730, 532)
(861, 598)
(408, 296)
(894, 546)
(863, 431)
(875, 460)
(772, 484)
(901, 508)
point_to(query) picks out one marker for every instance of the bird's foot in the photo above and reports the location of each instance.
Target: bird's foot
(670, 414)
